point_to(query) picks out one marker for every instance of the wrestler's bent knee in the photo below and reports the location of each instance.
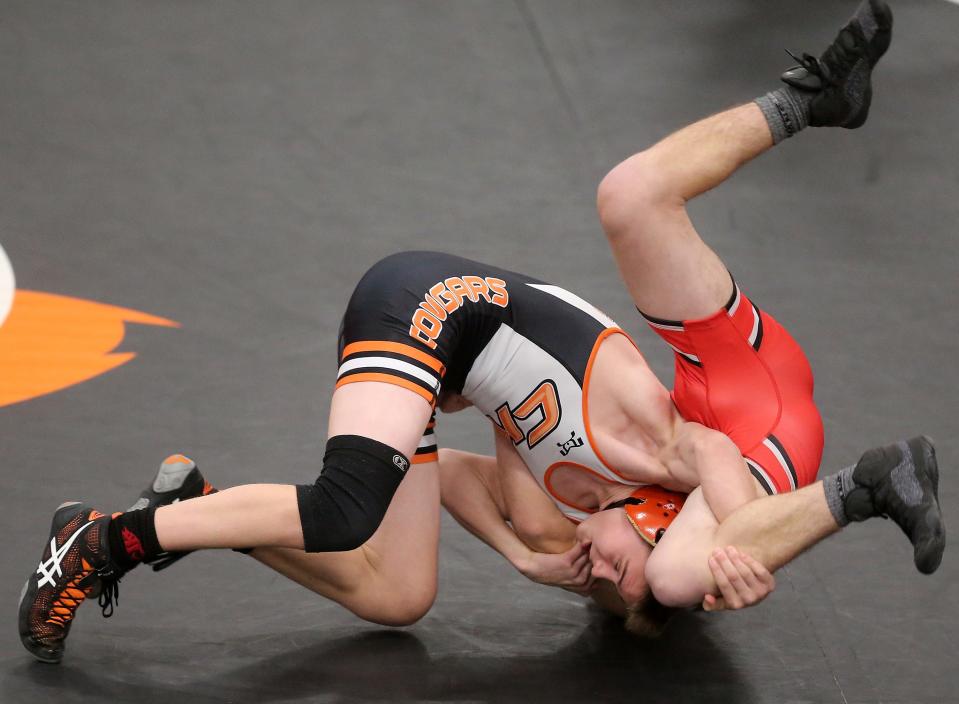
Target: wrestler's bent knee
(401, 608)
(346, 505)
(628, 192)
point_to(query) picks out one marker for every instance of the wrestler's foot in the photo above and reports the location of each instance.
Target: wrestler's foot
(75, 559)
(841, 76)
(901, 481)
(178, 479)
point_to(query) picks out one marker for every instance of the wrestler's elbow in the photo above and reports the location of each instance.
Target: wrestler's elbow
(713, 452)
(674, 584)
(539, 534)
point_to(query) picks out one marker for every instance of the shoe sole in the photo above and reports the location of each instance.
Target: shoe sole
(883, 14)
(928, 554)
(933, 469)
(192, 484)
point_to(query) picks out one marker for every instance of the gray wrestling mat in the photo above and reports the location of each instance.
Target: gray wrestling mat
(236, 167)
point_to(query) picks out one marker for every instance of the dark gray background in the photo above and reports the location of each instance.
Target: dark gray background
(237, 166)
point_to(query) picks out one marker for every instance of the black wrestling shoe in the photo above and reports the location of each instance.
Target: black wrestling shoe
(842, 75)
(75, 560)
(178, 479)
(901, 482)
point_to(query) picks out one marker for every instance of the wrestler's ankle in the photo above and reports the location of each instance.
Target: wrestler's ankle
(133, 539)
(847, 501)
(786, 111)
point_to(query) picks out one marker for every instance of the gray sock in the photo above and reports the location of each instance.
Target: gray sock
(786, 111)
(837, 487)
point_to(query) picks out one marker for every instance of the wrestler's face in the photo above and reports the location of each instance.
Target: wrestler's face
(616, 552)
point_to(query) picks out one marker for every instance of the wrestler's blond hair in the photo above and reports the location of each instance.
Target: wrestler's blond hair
(648, 618)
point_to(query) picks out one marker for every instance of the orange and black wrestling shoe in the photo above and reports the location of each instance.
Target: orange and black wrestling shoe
(75, 564)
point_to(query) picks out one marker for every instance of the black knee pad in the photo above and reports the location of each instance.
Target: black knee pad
(346, 504)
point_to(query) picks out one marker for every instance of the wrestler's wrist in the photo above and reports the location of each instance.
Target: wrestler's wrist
(522, 560)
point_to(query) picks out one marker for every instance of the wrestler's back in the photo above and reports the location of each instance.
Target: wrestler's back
(548, 368)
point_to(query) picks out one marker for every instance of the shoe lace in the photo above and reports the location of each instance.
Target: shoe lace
(810, 63)
(837, 60)
(109, 595)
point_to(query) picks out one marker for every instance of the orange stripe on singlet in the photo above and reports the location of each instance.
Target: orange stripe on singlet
(398, 348)
(589, 370)
(388, 379)
(428, 457)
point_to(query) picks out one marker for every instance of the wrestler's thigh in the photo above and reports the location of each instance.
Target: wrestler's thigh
(391, 414)
(402, 551)
(669, 271)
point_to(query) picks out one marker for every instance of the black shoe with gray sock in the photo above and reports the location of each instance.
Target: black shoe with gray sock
(834, 90)
(900, 482)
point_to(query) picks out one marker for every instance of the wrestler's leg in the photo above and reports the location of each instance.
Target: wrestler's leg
(669, 271)
(395, 586)
(257, 515)
(899, 481)
(392, 577)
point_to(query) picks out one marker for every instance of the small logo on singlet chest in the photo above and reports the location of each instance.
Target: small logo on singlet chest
(566, 447)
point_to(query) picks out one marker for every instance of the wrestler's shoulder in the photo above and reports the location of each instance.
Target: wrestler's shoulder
(619, 369)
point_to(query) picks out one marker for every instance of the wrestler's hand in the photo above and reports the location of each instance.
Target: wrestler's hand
(742, 581)
(569, 570)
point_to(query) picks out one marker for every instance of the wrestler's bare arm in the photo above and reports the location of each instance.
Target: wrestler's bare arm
(709, 459)
(482, 494)
(773, 530)
(467, 493)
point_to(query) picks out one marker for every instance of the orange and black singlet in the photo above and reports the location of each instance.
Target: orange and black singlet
(518, 348)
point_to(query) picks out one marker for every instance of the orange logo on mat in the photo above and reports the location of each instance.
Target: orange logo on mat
(50, 342)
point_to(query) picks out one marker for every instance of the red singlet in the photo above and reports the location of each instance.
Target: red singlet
(740, 372)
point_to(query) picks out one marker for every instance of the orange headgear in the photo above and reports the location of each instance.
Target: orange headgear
(651, 509)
